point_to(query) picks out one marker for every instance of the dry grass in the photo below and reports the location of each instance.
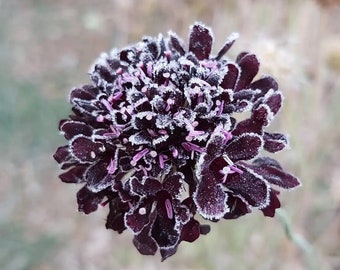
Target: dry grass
(46, 48)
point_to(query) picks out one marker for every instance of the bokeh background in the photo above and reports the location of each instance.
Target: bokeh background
(46, 48)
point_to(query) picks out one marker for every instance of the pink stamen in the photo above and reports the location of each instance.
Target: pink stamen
(116, 97)
(192, 147)
(116, 131)
(142, 168)
(220, 108)
(175, 153)
(138, 156)
(100, 118)
(194, 133)
(119, 71)
(169, 103)
(107, 105)
(152, 132)
(111, 168)
(161, 159)
(128, 78)
(149, 69)
(167, 54)
(162, 132)
(235, 169)
(168, 207)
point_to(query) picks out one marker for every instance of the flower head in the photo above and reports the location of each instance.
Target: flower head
(156, 137)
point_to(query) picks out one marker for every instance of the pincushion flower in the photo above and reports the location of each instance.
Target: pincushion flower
(156, 137)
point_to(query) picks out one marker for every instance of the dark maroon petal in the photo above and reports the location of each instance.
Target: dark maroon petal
(249, 66)
(75, 175)
(148, 187)
(88, 201)
(262, 115)
(173, 184)
(143, 241)
(97, 176)
(190, 231)
(166, 252)
(215, 144)
(115, 219)
(86, 92)
(274, 102)
(139, 217)
(264, 84)
(237, 207)
(275, 175)
(227, 45)
(176, 43)
(73, 128)
(274, 142)
(85, 150)
(210, 197)
(250, 186)
(249, 125)
(244, 147)
(165, 232)
(64, 157)
(274, 203)
(62, 154)
(200, 41)
(230, 79)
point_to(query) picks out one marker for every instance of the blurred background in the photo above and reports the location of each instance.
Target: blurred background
(47, 47)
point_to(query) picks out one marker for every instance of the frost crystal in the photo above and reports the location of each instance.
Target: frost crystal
(156, 138)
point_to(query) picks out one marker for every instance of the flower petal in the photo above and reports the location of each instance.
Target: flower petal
(175, 43)
(270, 170)
(244, 147)
(230, 41)
(274, 203)
(264, 84)
(250, 186)
(200, 41)
(210, 198)
(88, 201)
(138, 217)
(173, 184)
(249, 125)
(84, 149)
(274, 142)
(148, 187)
(75, 175)
(97, 176)
(238, 207)
(190, 231)
(71, 129)
(231, 77)
(143, 241)
(115, 218)
(249, 66)
(64, 157)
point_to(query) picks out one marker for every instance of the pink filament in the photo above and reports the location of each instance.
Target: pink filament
(168, 207)
(139, 155)
(192, 147)
(107, 105)
(235, 169)
(111, 168)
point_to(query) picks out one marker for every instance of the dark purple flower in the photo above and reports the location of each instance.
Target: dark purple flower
(156, 137)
